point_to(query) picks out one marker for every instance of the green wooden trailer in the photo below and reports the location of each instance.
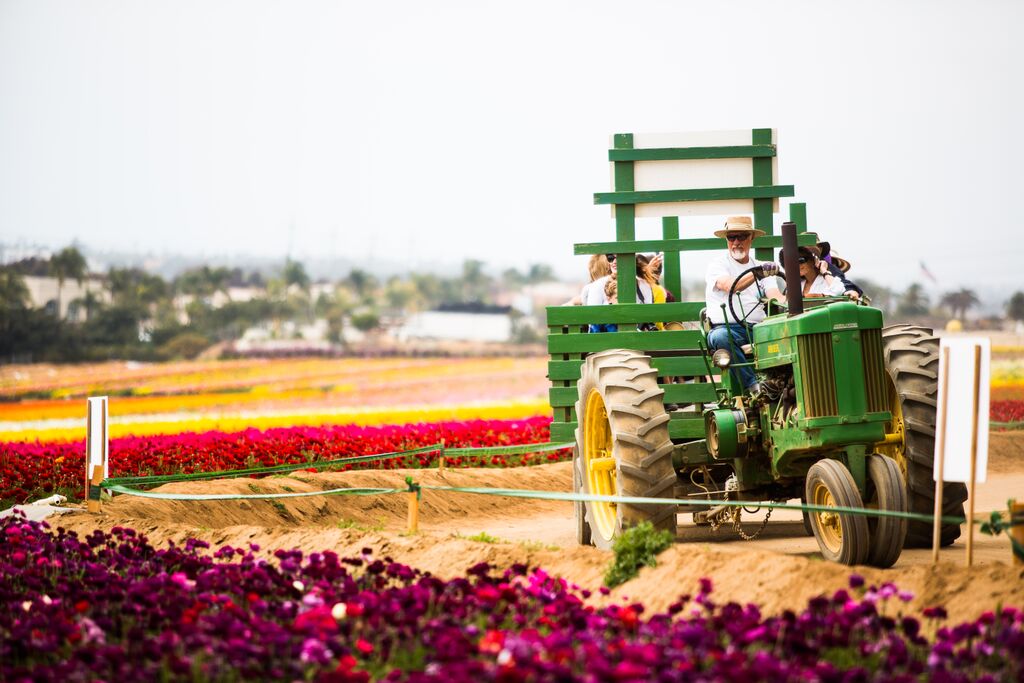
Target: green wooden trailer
(652, 414)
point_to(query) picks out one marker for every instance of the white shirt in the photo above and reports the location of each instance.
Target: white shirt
(593, 294)
(585, 294)
(745, 301)
(820, 286)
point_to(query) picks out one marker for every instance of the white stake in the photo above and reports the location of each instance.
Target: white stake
(941, 450)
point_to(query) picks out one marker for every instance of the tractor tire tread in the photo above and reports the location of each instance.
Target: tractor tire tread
(911, 354)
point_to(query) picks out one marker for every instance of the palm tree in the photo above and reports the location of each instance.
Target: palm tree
(13, 292)
(295, 274)
(959, 302)
(914, 301)
(67, 263)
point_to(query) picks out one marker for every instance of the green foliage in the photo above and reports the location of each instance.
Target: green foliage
(295, 274)
(960, 301)
(186, 345)
(636, 547)
(999, 522)
(483, 537)
(365, 320)
(913, 302)
(1015, 306)
(13, 292)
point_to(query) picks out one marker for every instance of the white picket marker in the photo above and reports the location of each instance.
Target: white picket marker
(97, 447)
(961, 439)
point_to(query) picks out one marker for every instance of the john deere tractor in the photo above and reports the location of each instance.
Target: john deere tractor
(844, 413)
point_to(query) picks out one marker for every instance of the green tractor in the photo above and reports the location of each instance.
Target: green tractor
(845, 411)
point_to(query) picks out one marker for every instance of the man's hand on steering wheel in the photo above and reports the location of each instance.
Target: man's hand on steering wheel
(759, 271)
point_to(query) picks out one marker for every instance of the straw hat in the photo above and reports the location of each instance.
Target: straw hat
(826, 252)
(739, 224)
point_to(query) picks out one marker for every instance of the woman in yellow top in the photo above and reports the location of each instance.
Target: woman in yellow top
(649, 268)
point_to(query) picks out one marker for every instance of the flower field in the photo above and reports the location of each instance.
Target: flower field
(112, 607)
(47, 404)
(29, 470)
(210, 416)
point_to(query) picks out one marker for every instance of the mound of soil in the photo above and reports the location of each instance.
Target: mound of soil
(538, 533)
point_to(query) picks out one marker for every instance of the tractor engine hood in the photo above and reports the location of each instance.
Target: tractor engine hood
(774, 338)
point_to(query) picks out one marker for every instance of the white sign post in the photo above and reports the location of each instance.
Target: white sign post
(96, 450)
(961, 434)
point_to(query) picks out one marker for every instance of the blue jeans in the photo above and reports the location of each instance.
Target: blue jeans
(718, 338)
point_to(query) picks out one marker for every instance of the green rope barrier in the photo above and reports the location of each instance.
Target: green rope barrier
(1007, 425)
(291, 467)
(635, 500)
(233, 496)
(519, 449)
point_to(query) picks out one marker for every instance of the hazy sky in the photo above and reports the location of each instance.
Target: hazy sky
(428, 132)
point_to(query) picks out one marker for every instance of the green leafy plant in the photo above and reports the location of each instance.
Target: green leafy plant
(483, 537)
(998, 523)
(636, 547)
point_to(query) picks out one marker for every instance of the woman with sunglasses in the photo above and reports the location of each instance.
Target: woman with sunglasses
(815, 276)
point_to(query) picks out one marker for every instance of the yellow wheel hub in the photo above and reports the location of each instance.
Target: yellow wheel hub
(829, 526)
(895, 444)
(599, 463)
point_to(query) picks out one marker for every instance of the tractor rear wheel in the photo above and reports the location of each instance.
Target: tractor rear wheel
(886, 491)
(911, 356)
(623, 444)
(842, 536)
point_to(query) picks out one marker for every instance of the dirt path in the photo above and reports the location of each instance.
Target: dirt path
(780, 570)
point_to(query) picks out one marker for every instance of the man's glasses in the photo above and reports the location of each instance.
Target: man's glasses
(736, 236)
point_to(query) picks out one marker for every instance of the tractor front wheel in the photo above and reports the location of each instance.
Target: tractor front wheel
(886, 491)
(623, 444)
(842, 536)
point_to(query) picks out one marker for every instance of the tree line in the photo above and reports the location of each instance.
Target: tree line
(143, 316)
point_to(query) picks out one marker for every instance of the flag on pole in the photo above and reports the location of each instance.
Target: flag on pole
(928, 274)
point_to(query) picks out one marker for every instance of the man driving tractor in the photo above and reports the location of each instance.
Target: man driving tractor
(719, 278)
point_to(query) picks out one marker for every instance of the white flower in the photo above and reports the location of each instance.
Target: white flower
(47, 600)
(504, 657)
(27, 605)
(299, 586)
(339, 611)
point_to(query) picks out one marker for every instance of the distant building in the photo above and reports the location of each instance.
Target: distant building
(43, 293)
(471, 322)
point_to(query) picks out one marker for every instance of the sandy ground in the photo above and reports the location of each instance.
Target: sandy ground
(780, 570)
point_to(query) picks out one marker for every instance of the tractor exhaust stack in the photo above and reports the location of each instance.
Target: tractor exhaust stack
(794, 291)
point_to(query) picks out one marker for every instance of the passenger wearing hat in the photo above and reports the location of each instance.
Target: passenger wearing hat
(838, 267)
(815, 274)
(719, 277)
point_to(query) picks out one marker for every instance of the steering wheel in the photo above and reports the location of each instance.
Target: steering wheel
(732, 292)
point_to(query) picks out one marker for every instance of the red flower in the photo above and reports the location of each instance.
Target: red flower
(492, 642)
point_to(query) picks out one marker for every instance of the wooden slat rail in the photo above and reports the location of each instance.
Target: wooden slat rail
(692, 366)
(681, 153)
(694, 244)
(674, 393)
(575, 342)
(703, 195)
(623, 313)
(682, 426)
